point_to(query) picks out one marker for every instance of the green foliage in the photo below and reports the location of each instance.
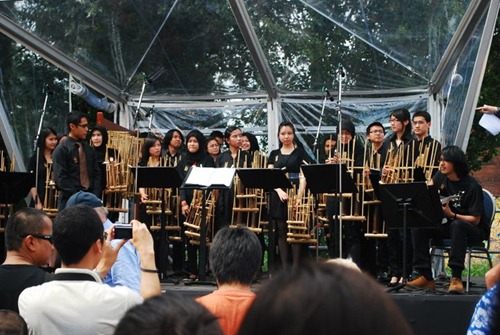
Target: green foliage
(482, 145)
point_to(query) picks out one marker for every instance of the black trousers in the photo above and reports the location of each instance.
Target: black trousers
(462, 235)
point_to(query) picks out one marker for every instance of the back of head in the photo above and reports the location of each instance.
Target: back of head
(84, 199)
(170, 314)
(75, 230)
(11, 323)
(235, 256)
(26, 221)
(321, 299)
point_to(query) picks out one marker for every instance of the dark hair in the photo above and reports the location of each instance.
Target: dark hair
(374, 124)
(235, 255)
(349, 126)
(75, 230)
(228, 131)
(254, 144)
(456, 156)
(287, 124)
(75, 117)
(423, 114)
(171, 314)
(11, 323)
(402, 115)
(217, 133)
(149, 141)
(44, 133)
(321, 299)
(210, 139)
(104, 134)
(23, 222)
(169, 135)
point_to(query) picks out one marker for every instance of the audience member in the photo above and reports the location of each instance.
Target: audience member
(76, 301)
(11, 323)
(28, 241)
(321, 299)
(235, 256)
(486, 317)
(126, 271)
(173, 315)
(487, 109)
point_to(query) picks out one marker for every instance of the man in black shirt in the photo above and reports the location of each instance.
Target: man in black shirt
(74, 163)
(28, 240)
(464, 225)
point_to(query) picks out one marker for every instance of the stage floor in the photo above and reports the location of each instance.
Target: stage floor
(429, 312)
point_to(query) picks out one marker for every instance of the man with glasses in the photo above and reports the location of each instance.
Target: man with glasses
(76, 301)
(28, 240)
(75, 167)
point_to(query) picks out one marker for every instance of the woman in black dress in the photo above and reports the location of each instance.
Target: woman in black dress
(289, 157)
(46, 143)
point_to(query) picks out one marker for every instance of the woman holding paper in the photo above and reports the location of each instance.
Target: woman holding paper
(195, 155)
(289, 157)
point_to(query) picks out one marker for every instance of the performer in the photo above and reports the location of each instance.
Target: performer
(329, 149)
(71, 174)
(377, 147)
(150, 156)
(195, 155)
(289, 157)
(46, 143)
(249, 142)
(213, 148)
(172, 142)
(401, 128)
(464, 225)
(351, 153)
(234, 157)
(426, 150)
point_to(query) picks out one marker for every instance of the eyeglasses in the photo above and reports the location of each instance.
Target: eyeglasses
(83, 125)
(49, 238)
(376, 131)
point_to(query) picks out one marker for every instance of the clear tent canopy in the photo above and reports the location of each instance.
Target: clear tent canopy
(207, 64)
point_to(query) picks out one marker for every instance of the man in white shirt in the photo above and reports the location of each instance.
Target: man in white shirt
(76, 301)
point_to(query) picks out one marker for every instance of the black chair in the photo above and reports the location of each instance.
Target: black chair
(474, 251)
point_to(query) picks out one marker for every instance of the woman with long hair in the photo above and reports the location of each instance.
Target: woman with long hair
(46, 143)
(289, 157)
(172, 142)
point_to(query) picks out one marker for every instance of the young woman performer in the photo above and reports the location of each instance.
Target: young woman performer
(46, 143)
(289, 157)
(194, 155)
(401, 126)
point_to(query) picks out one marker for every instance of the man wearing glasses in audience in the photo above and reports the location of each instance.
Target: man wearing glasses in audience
(75, 167)
(28, 241)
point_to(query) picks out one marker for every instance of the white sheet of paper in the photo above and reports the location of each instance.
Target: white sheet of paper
(491, 123)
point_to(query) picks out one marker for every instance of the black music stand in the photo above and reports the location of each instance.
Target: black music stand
(159, 177)
(268, 180)
(410, 205)
(206, 186)
(324, 178)
(15, 186)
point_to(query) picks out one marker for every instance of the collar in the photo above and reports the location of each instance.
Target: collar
(76, 274)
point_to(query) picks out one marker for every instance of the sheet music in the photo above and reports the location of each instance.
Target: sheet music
(491, 123)
(204, 176)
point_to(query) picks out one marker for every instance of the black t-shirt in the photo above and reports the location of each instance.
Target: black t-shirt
(14, 279)
(471, 197)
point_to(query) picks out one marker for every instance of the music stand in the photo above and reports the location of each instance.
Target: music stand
(16, 185)
(409, 205)
(159, 177)
(324, 178)
(207, 186)
(268, 180)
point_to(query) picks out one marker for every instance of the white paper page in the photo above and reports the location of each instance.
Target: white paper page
(491, 123)
(199, 176)
(222, 176)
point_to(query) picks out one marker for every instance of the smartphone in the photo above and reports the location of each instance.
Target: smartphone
(123, 231)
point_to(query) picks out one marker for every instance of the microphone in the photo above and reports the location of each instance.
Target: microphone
(47, 90)
(146, 78)
(150, 111)
(325, 89)
(341, 71)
